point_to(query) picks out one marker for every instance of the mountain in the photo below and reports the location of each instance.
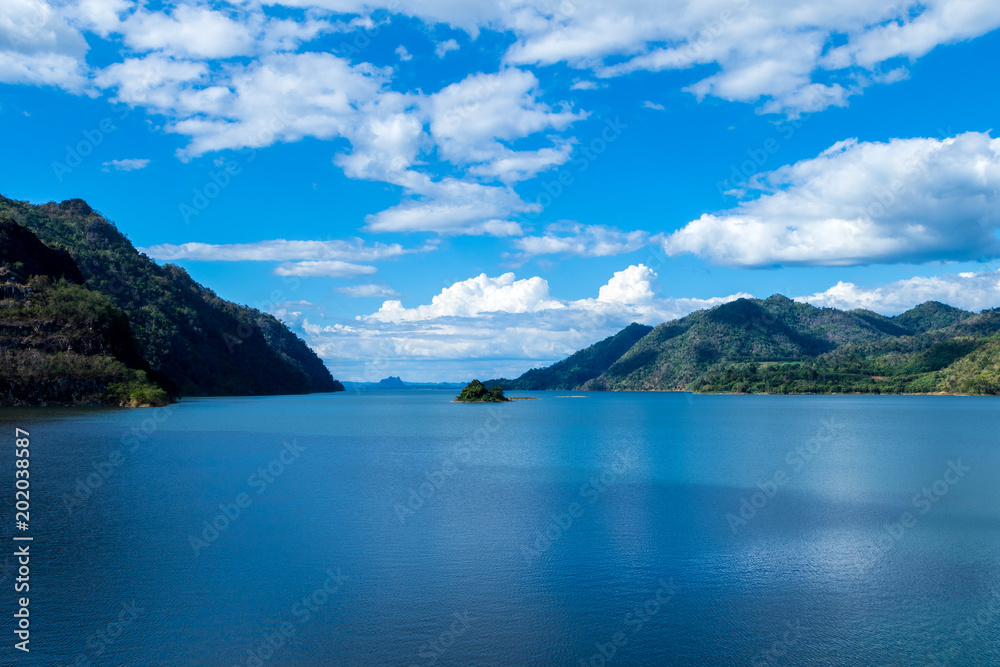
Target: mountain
(778, 345)
(25, 256)
(930, 315)
(59, 341)
(193, 342)
(674, 354)
(395, 383)
(579, 368)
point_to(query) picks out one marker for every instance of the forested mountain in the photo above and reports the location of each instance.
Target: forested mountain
(193, 342)
(59, 341)
(580, 367)
(781, 346)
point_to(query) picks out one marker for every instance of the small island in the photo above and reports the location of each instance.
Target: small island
(476, 392)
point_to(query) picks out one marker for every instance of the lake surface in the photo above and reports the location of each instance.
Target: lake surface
(397, 528)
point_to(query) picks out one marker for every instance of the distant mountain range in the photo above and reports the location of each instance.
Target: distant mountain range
(394, 382)
(778, 345)
(85, 318)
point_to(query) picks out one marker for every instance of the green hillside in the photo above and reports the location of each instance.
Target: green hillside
(778, 345)
(194, 342)
(59, 341)
(580, 367)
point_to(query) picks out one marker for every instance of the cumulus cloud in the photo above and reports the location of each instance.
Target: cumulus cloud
(764, 50)
(501, 323)
(970, 290)
(286, 97)
(653, 105)
(403, 54)
(470, 119)
(189, 31)
(471, 297)
(906, 200)
(196, 31)
(129, 164)
(161, 84)
(39, 46)
(232, 75)
(281, 97)
(100, 16)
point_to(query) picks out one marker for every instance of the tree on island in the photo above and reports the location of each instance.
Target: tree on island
(476, 392)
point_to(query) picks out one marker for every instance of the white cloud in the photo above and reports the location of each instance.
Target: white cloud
(442, 48)
(769, 50)
(189, 31)
(470, 119)
(279, 250)
(367, 290)
(471, 297)
(914, 30)
(337, 258)
(403, 54)
(772, 51)
(193, 31)
(156, 82)
(971, 291)
(286, 97)
(38, 46)
(470, 124)
(630, 295)
(510, 166)
(230, 76)
(45, 69)
(633, 285)
(129, 164)
(100, 16)
(331, 268)
(282, 97)
(653, 105)
(907, 200)
(582, 240)
(494, 325)
(451, 206)
(300, 304)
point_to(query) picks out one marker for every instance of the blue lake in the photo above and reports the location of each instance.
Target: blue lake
(397, 528)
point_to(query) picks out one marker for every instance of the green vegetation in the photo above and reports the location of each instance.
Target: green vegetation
(62, 343)
(476, 392)
(779, 346)
(185, 338)
(580, 367)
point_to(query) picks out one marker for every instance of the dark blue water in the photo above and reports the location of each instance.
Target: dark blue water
(401, 529)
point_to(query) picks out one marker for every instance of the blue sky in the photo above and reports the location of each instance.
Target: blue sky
(441, 189)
